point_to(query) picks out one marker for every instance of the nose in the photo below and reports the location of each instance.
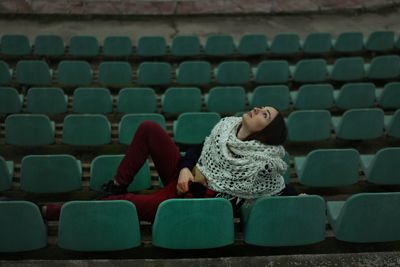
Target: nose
(256, 110)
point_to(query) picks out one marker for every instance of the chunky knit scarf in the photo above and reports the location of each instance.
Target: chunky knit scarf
(243, 169)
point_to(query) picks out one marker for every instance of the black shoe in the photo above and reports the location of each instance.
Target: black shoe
(111, 188)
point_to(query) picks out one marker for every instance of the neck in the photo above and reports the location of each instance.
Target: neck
(242, 133)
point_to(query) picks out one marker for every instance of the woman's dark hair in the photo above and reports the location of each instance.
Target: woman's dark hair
(274, 133)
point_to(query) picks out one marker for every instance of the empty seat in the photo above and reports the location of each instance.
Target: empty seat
(6, 174)
(309, 125)
(219, 45)
(347, 69)
(349, 42)
(117, 46)
(389, 97)
(284, 221)
(151, 46)
(33, 72)
(392, 124)
(92, 100)
(313, 96)
(83, 46)
(359, 124)
(29, 130)
(317, 43)
(86, 130)
(49, 46)
(232, 72)
(276, 96)
(115, 74)
(10, 100)
(46, 100)
(328, 167)
(193, 224)
(185, 45)
(193, 127)
(285, 44)
(103, 169)
(179, 100)
(98, 226)
(74, 73)
(154, 73)
(193, 73)
(5, 73)
(380, 41)
(252, 44)
(310, 71)
(355, 95)
(227, 100)
(383, 68)
(272, 72)
(137, 100)
(50, 173)
(22, 227)
(130, 122)
(15, 45)
(366, 217)
(382, 168)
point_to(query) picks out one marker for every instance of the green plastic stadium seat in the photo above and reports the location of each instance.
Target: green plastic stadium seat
(103, 169)
(310, 71)
(317, 43)
(309, 125)
(99, 226)
(355, 95)
(284, 221)
(383, 68)
(272, 72)
(86, 130)
(6, 174)
(285, 44)
(10, 100)
(15, 45)
(232, 72)
(276, 96)
(253, 44)
(179, 100)
(130, 122)
(50, 173)
(219, 45)
(151, 46)
(117, 46)
(92, 100)
(193, 224)
(74, 73)
(22, 227)
(382, 168)
(226, 100)
(398, 43)
(5, 73)
(347, 69)
(328, 167)
(49, 46)
(33, 72)
(349, 42)
(389, 97)
(193, 73)
(83, 46)
(359, 124)
(392, 124)
(29, 130)
(313, 96)
(193, 127)
(115, 74)
(46, 100)
(380, 41)
(154, 73)
(185, 45)
(137, 100)
(378, 212)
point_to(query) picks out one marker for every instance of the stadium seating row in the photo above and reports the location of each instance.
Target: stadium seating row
(283, 44)
(203, 223)
(119, 73)
(177, 100)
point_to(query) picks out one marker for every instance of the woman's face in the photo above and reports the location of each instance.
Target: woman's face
(258, 118)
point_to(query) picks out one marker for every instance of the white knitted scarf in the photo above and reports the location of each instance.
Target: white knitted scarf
(243, 169)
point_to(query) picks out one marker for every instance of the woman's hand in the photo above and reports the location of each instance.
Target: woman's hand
(185, 178)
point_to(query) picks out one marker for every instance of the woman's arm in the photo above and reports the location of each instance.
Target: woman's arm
(186, 165)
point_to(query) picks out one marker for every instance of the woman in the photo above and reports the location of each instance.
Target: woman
(240, 160)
